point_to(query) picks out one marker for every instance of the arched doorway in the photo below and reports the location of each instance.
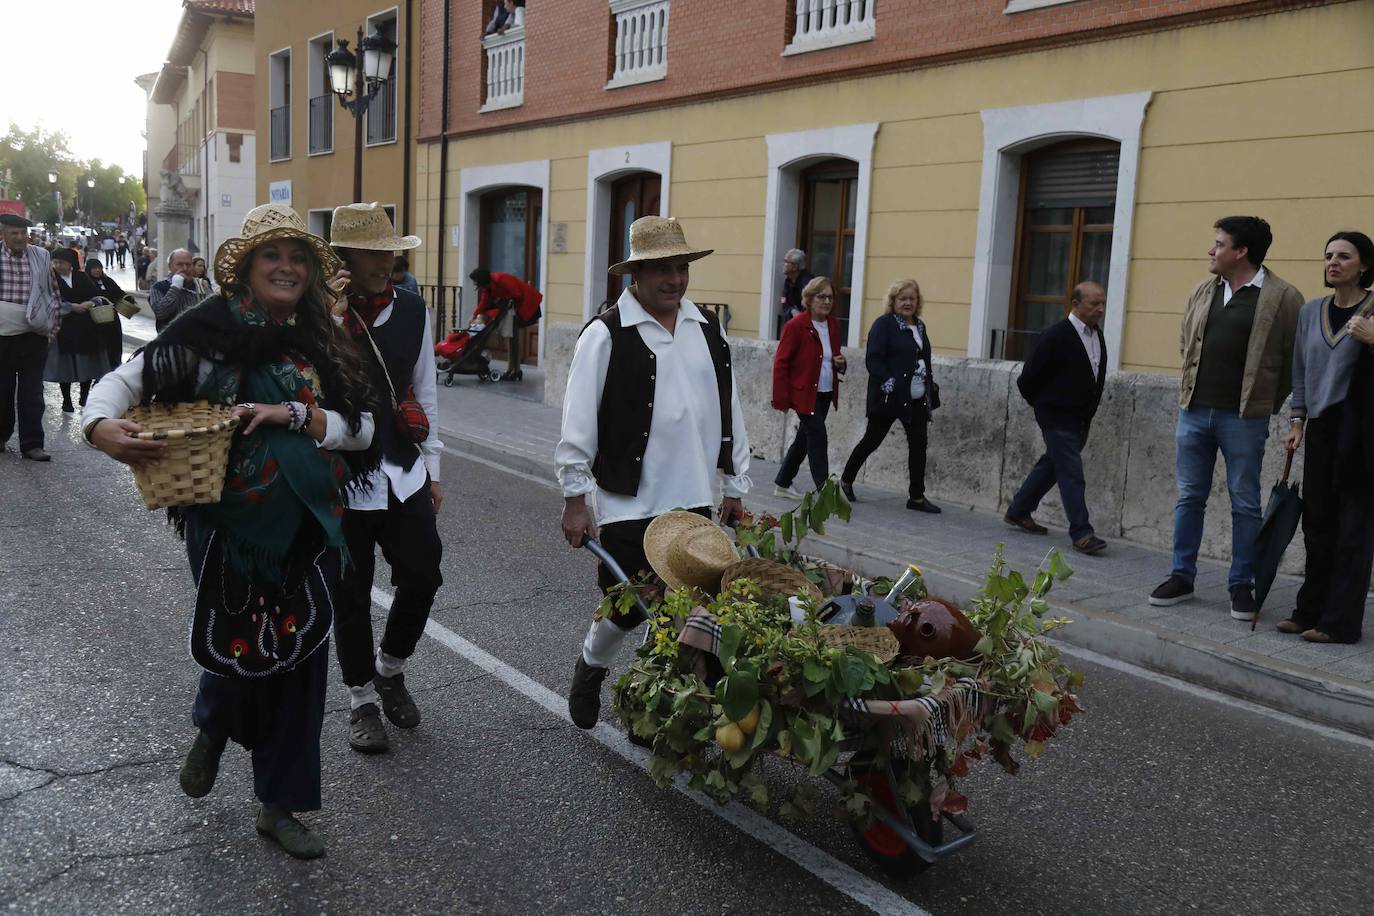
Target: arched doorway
(632, 196)
(509, 242)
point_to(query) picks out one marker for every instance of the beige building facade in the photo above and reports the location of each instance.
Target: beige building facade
(996, 181)
(201, 129)
(306, 158)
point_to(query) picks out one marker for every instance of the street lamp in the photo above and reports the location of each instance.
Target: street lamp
(57, 199)
(90, 200)
(356, 77)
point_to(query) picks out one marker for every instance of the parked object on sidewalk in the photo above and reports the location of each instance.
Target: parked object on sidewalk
(197, 436)
(901, 389)
(464, 351)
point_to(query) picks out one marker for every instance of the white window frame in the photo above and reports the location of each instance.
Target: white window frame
(325, 39)
(394, 13)
(272, 84)
(328, 213)
(604, 167)
(1021, 6)
(478, 180)
(788, 156)
(1010, 133)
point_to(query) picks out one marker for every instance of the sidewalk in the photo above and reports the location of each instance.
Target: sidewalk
(1106, 597)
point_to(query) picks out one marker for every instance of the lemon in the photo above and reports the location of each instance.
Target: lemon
(750, 722)
(730, 737)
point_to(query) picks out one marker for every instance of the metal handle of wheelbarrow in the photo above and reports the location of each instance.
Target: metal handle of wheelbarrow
(602, 554)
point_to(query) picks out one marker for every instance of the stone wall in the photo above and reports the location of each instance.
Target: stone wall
(984, 440)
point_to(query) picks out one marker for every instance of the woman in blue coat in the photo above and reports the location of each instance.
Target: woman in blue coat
(901, 388)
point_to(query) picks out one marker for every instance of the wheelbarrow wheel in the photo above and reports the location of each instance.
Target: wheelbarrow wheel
(888, 851)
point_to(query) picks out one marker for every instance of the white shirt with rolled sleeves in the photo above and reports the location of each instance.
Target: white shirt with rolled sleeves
(122, 388)
(684, 436)
(402, 482)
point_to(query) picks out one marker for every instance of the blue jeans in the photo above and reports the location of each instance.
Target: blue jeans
(1201, 431)
(1061, 464)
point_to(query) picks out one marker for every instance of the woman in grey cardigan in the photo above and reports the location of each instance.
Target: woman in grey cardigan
(1333, 411)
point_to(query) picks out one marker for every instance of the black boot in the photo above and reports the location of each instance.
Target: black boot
(85, 390)
(66, 389)
(584, 697)
(201, 766)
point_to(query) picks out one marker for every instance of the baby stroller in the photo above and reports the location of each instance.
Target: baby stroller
(460, 353)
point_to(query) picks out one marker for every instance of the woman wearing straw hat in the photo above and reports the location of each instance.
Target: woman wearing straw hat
(273, 545)
(397, 507)
(651, 423)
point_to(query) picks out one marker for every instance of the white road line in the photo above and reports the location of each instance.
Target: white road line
(1096, 658)
(846, 880)
(1223, 699)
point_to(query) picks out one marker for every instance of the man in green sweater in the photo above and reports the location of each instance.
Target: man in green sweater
(1237, 346)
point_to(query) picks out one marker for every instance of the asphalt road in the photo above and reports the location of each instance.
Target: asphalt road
(1159, 800)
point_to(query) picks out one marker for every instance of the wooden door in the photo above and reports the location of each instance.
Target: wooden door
(632, 196)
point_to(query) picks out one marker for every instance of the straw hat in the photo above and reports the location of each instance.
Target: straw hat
(688, 551)
(269, 223)
(367, 226)
(653, 238)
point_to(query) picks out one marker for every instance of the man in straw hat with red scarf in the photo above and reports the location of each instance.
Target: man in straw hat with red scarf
(651, 422)
(396, 507)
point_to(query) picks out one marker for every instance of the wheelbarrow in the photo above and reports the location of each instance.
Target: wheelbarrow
(901, 840)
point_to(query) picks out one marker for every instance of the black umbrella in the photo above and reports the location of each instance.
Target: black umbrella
(1280, 523)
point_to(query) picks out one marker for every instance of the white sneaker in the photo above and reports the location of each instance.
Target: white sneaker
(786, 492)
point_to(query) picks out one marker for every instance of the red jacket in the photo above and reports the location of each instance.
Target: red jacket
(797, 364)
(505, 286)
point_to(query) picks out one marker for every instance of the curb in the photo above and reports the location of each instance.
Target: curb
(1293, 689)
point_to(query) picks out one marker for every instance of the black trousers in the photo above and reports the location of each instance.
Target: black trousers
(1338, 530)
(915, 423)
(811, 443)
(22, 358)
(624, 541)
(409, 538)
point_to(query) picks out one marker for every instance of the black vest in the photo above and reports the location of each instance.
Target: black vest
(399, 340)
(627, 404)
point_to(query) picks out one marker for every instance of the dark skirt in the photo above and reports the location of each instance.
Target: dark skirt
(278, 718)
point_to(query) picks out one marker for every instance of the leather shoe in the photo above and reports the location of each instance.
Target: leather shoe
(1090, 544)
(1290, 626)
(1027, 524)
(37, 454)
(397, 702)
(366, 734)
(923, 505)
(1315, 635)
(198, 771)
(290, 834)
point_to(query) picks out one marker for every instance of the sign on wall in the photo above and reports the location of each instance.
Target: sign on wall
(226, 200)
(559, 244)
(279, 192)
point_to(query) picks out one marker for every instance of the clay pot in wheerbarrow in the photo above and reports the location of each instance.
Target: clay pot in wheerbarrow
(934, 627)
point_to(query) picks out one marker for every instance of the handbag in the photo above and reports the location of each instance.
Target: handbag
(932, 395)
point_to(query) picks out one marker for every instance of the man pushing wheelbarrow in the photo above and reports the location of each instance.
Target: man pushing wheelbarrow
(651, 421)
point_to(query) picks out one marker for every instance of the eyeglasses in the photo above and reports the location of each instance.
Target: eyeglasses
(826, 296)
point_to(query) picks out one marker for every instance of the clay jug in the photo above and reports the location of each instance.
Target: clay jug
(934, 627)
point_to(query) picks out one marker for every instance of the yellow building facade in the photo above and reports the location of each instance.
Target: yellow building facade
(1261, 114)
(306, 154)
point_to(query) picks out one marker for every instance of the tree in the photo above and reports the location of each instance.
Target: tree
(32, 154)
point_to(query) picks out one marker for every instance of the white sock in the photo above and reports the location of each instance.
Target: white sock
(359, 696)
(389, 665)
(602, 643)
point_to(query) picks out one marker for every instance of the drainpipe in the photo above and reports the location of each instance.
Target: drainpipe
(205, 173)
(405, 137)
(443, 165)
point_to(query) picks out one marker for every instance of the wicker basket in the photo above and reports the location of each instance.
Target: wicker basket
(191, 471)
(773, 578)
(103, 312)
(879, 641)
(127, 307)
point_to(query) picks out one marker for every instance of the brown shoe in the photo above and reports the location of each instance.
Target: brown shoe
(1090, 544)
(1027, 524)
(1289, 626)
(1315, 635)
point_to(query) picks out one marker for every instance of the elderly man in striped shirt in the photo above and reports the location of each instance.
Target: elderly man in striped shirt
(29, 313)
